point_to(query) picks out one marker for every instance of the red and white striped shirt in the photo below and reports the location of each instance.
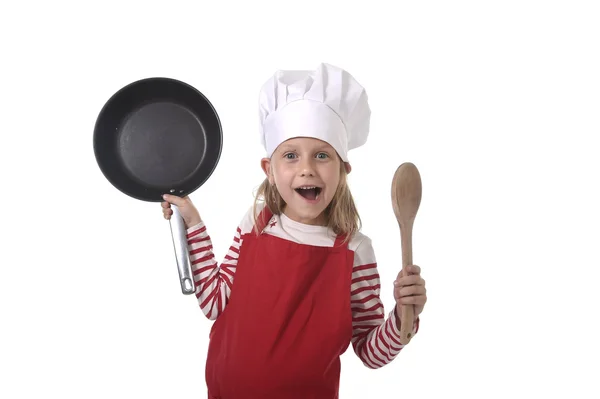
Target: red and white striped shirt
(375, 339)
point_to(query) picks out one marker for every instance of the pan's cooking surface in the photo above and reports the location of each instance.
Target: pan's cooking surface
(157, 135)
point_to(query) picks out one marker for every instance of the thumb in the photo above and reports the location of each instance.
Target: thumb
(173, 199)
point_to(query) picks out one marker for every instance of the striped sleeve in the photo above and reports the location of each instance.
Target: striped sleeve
(375, 338)
(213, 282)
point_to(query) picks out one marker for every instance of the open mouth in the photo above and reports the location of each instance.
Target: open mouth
(309, 192)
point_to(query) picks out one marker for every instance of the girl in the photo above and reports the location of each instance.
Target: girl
(300, 282)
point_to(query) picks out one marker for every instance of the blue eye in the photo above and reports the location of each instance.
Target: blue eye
(322, 155)
(289, 155)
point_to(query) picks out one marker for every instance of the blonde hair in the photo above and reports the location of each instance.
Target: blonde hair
(341, 214)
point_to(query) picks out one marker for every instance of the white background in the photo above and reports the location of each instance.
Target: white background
(497, 103)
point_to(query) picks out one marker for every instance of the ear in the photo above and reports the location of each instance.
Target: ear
(348, 167)
(265, 164)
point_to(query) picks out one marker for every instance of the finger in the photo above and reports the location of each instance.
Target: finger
(175, 200)
(413, 300)
(409, 280)
(409, 270)
(402, 273)
(411, 290)
(165, 204)
(413, 269)
(413, 279)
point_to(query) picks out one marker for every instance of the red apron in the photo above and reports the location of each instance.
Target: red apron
(287, 322)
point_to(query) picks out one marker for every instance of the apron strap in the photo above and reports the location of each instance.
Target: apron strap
(339, 240)
(263, 218)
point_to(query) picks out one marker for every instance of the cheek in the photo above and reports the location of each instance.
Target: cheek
(282, 177)
(332, 179)
(334, 186)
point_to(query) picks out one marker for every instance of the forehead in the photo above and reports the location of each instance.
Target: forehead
(305, 143)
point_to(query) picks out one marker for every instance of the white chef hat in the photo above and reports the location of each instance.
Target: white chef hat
(327, 104)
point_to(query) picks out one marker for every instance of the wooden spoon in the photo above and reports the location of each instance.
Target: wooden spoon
(406, 198)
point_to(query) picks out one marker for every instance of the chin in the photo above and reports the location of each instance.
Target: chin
(305, 209)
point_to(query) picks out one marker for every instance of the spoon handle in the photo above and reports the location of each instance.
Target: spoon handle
(407, 316)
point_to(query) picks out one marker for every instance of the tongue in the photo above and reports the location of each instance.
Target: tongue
(309, 194)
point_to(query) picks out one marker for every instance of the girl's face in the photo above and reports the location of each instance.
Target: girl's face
(306, 172)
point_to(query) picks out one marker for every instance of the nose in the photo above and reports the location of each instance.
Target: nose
(306, 168)
(306, 172)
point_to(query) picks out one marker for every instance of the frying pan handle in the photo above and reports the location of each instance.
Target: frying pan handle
(178, 233)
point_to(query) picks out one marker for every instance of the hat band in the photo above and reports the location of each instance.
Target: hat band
(305, 118)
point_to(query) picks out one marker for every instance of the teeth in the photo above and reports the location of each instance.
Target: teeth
(307, 188)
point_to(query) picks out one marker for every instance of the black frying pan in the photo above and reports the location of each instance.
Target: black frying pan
(157, 136)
